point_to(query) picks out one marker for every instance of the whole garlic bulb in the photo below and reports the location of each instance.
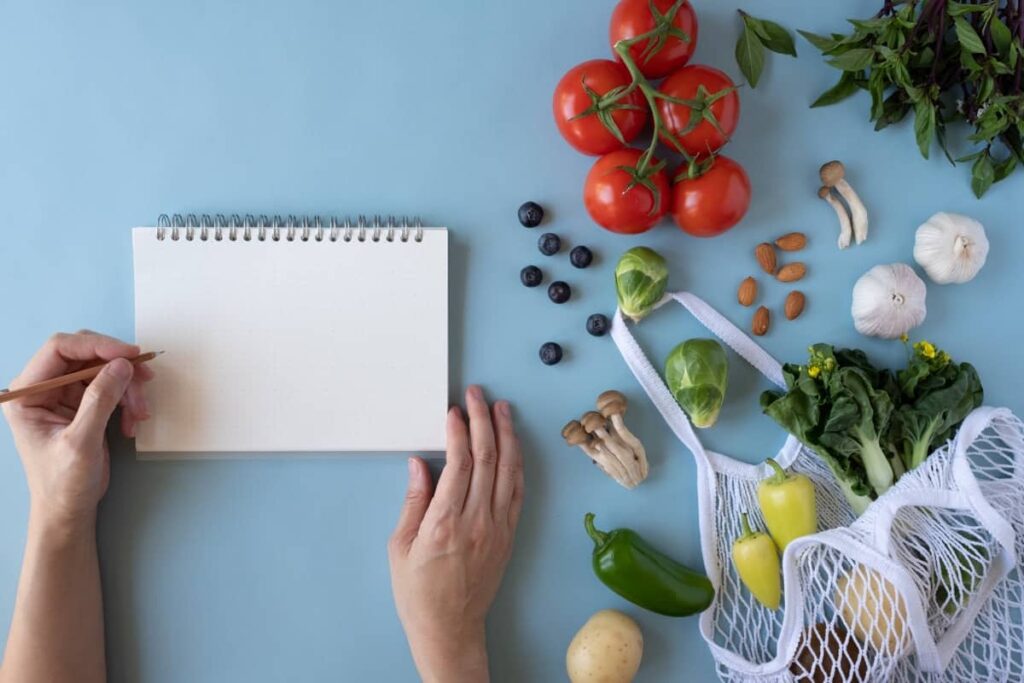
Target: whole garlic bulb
(951, 247)
(888, 301)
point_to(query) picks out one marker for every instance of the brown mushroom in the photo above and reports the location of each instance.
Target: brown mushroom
(612, 405)
(626, 471)
(575, 435)
(833, 175)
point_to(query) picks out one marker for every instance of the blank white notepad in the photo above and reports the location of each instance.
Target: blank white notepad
(293, 339)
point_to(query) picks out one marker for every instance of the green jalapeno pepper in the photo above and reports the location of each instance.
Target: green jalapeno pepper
(631, 567)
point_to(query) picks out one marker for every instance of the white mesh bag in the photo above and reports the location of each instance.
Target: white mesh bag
(922, 587)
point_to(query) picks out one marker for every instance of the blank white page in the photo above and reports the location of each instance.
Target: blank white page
(293, 345)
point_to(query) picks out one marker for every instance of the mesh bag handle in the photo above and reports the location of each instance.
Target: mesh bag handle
(659, 394)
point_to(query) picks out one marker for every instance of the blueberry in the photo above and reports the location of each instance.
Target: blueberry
(550, 353)
(559, 292)
(581, 257)
(549, 244)
(531, 214)
(531, 276)
(597, 324)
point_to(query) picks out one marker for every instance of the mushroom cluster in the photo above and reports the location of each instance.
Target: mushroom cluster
(853, 216)
(603, 436)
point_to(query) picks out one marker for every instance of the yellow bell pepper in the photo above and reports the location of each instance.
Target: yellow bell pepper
(788, 505)
(757, 562)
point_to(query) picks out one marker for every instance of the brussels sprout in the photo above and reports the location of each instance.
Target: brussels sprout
(640, 279)
(696, 372)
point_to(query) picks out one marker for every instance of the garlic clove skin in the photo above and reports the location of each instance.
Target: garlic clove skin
(951, 248)
(888, 301)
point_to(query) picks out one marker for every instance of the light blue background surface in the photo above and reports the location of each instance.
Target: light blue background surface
(275, 570)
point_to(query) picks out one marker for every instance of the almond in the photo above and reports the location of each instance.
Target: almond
(794, 306)
(791, 272)
(747, 292)
(760, 324)
(765, 254)
(793, 241)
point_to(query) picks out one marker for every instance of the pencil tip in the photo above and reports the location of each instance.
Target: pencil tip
(160, 353)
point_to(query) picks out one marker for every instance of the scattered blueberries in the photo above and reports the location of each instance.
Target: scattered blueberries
(559, 292)
(549, 244)
(531, 214)
(550, 353)
(597, 324)
(581, 256)
(531, 276)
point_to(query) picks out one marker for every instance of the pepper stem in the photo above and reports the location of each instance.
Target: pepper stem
(779, 476)
(745, 528)
(599, 536)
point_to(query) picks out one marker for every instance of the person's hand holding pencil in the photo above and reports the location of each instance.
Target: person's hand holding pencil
(60, 432)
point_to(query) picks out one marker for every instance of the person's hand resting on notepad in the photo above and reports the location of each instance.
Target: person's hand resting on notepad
(449, 550)
(447, 554)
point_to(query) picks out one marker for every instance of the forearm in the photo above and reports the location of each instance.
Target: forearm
(452, 662)
(56, 633)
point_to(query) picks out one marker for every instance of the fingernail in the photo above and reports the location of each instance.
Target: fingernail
(412, 467)
(505, 408)
(454, 411)
(120, 369)
(476, 392)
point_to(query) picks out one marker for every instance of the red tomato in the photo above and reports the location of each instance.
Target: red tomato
(632, 18)
(713, 202)
(700, 84)
(616, 206)
(587, 134)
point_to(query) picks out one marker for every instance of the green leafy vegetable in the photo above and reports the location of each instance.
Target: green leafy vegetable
(937, 395)
(870, 425)
(696, 372)
(641, 276)
(836, 406)
(756, 36)
(948, 62)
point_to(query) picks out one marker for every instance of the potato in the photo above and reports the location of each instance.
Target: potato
(606, 650)
(874, 610)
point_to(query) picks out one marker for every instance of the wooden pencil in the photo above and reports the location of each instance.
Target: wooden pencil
(78, 376)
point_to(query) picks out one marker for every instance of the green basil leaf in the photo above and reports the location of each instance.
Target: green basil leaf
(846, 87)
(776, 38)
(821, 42)
(968, 61)
(969, 39)
(894, 109)
(988, 86)
(1001, 36)
(750, 55)
(958, 9)
(983, 174)
(756, 25)
(868, 25)
(924, 125)
(857, 59)
(1004, 168)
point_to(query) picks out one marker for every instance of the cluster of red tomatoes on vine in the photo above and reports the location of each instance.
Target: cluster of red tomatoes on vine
(602, 105)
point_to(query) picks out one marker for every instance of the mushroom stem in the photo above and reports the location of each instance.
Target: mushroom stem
(833, 175)
(595, 424)
(612, 405)
(858, 212)
(639, 453)
(845, 228)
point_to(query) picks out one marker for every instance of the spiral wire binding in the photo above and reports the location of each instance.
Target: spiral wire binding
(291, 228)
